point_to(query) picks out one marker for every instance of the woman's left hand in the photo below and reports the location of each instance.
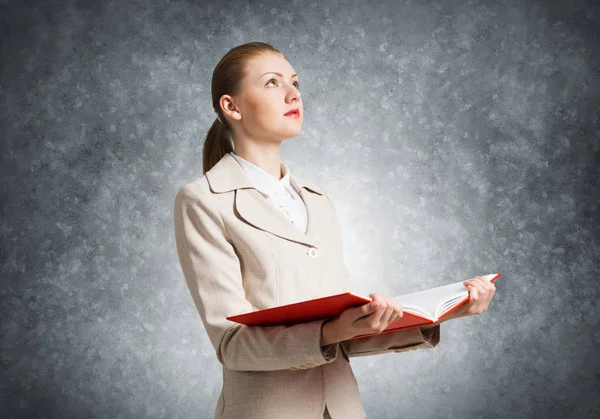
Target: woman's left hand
(481, 292)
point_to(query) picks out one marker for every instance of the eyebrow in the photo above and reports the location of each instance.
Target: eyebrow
(279, 74)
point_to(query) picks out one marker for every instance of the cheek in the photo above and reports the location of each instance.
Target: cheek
(260, 108)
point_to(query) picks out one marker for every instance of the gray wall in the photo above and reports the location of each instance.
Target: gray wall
(456, 138)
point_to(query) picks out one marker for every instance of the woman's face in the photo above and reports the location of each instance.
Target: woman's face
(266, 97)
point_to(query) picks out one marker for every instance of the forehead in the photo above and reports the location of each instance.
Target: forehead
(266, 62)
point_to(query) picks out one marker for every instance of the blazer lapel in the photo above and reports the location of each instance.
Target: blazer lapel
(227, 175)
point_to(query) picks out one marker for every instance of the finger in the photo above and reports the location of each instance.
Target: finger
(473, 292)
(375, 300)
(489, 286)
(477, 280)
(395, 309)
(467, 282)
(474, 306)
(399, 308)
(484, 283)
(389, 309)
(480, 288)
(391, 303)
(386, 317)
(375, 317)
(388, 312)
(479, 304)
(381, 302)
(366, 309)
(377, 297)
(470, 286)
(485, 295)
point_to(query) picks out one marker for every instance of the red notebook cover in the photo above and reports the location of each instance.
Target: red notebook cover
(328, 307)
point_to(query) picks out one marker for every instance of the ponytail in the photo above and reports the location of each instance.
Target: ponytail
(217, 143)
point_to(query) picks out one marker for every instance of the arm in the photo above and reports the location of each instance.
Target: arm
(212, 272)
(399, 341)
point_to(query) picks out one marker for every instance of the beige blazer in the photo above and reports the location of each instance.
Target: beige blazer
(239, 254)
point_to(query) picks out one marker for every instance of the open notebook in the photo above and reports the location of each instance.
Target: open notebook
(419, 308)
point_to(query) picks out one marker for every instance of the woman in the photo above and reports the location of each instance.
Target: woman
(250, 235)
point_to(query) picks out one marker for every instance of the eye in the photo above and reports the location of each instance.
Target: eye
(296, 83)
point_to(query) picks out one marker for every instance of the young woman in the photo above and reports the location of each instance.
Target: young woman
(251, 235)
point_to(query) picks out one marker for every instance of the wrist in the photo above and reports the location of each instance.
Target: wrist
(330, 333)
(455, 314)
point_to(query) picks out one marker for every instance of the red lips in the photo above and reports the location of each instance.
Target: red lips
(293, 111)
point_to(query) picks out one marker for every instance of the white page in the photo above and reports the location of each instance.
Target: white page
(434, 302)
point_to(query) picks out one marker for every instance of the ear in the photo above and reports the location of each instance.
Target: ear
(229, 107)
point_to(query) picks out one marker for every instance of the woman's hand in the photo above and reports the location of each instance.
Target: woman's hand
(481, 292)
(363, 319)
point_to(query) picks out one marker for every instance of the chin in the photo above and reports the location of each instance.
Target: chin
(290, 133)
(290, 130)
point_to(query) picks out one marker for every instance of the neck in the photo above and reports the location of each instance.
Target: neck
(267, 158)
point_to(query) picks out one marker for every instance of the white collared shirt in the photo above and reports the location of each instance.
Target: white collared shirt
(279, 193)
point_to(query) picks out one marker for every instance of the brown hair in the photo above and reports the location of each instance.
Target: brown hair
(226, 80)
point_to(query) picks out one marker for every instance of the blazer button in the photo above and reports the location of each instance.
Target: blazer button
(313, 252)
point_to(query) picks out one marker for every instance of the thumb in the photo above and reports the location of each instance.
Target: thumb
(355, 313)
(367, 308)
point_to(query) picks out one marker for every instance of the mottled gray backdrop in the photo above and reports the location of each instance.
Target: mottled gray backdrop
(456, 138)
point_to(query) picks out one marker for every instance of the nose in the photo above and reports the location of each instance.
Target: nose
(294, 94)
(293, 97)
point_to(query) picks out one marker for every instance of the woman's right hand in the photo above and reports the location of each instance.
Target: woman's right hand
(366, 319)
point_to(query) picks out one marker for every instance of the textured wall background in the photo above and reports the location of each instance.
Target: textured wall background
(465, 132)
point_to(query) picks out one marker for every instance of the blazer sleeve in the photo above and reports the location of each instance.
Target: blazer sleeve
(212, 272)
(397, 341)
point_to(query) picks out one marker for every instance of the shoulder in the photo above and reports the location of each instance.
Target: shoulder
(197, 195)
(198, 189)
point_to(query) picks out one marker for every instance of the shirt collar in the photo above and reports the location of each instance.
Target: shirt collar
(263, 180)
(228, 175)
